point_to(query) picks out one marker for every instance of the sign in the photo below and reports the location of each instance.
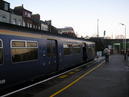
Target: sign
(116, 44)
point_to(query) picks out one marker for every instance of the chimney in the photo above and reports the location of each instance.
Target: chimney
(22, 6)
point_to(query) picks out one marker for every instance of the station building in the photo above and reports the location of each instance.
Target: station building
(4, 11)
(22, 17)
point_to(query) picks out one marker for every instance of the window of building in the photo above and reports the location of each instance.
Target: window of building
(1, 52)
(14, 21)
(44, 27)
(4, 18)
(24, 24)
(29, 15)
(34, 26)
(39, 28)
(67, 49)
(6, 6)
(25, 13)
(24, 51)
(30, 25)
(19, 22)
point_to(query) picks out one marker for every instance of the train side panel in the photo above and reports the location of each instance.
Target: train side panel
(25, 58)
(15, 71)
(71, 54)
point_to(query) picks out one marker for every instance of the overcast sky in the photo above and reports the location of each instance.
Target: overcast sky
(82, 15)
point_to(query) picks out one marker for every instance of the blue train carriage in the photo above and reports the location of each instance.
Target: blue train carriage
(25, 55)
(77, 51)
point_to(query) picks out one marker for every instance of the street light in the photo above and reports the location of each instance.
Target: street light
(125, 41)
(97, 28)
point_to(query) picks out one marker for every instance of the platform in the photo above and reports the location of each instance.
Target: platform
(103, 80)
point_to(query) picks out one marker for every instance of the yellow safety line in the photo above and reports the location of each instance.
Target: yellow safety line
(75, 81)
(63, 76)
(71, 73)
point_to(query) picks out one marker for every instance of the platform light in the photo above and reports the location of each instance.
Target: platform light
(124, 41)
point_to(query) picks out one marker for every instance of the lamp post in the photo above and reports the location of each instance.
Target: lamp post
(97, 28)
(124, 41)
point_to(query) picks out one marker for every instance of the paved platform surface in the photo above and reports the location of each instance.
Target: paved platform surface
(109, 80)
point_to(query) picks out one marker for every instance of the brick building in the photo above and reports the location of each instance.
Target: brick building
(26, 16)
(44, 26)
(36, 24)
(23, 17)
(15, 19)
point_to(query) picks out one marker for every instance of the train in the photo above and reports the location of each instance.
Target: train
(26, 54)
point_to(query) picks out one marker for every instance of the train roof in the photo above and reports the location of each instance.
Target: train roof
(10, 28)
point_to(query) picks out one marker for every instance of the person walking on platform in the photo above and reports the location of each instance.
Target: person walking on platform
(106, 54)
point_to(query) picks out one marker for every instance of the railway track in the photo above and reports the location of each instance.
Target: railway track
(89, 64)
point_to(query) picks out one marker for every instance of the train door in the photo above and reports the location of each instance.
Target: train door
(52, 55)
(84, 52)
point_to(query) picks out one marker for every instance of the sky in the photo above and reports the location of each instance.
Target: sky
(82, 15)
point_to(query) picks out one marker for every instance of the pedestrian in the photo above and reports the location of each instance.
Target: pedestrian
(106, 54)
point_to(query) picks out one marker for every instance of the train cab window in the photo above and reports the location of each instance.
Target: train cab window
(76, 48)
(67, 49)
(24, 51)
(1, 52)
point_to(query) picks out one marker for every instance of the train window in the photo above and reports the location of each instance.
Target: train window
(0, 43)
(32, 44)
(51, 48)
(1, 52)
(67, 49)
(54, 48)
(18, 43)
(26, 53)
(76, 48)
